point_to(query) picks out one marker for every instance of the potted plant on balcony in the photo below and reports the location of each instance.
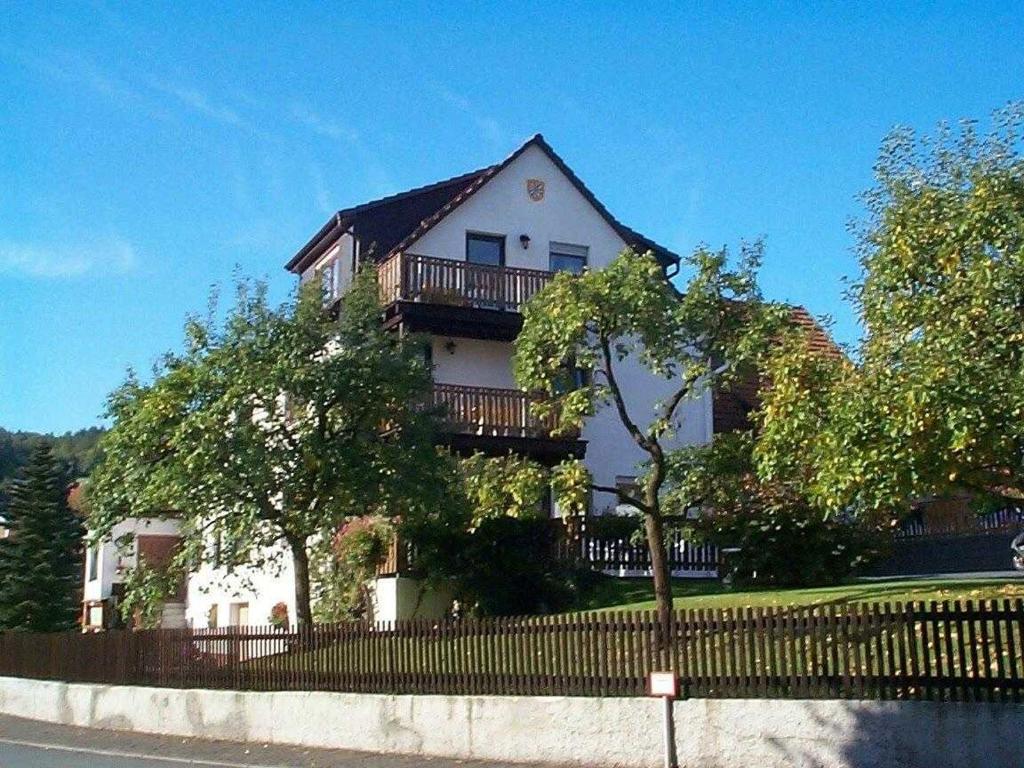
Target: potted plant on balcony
(451, 297)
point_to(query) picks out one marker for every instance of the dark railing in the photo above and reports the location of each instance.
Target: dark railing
(938, 651)
(965, 524)
(623, 557)
(430, 280)
(491, 411)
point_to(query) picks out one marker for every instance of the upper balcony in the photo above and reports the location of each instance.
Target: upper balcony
(458, 298)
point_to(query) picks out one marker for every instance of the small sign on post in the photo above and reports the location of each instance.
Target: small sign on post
(665, 685)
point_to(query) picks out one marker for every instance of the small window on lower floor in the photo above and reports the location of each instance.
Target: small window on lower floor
(239, 614)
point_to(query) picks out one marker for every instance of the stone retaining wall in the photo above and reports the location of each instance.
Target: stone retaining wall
(580, 731)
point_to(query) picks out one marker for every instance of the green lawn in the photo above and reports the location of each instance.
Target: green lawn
(638, 594)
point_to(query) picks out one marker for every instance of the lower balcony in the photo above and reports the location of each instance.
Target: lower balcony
(497, 421)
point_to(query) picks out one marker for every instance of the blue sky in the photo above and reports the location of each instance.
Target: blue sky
(146, 150)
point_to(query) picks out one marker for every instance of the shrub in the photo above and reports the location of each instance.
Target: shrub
(785, 542)
(506, 566)
(782, 538)
(358, 547)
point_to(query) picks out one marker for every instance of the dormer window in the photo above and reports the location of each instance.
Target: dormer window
(565, 257)
(328, 275)
(487, 250)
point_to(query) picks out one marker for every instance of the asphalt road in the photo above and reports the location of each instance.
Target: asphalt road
(31, 744)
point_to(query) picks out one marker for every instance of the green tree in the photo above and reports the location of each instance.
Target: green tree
(40, 562)
(271, 429)
(76, 452)
(780, 538)
(494, 525)
(702, 337)
(935, 401)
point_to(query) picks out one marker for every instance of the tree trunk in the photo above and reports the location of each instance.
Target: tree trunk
(300, 561)
(662, 579)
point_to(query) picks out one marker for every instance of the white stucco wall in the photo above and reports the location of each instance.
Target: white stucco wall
(341, 254)
(502, 207)
(473, 362)
(113, 562)
(259, 587)
(720, 733)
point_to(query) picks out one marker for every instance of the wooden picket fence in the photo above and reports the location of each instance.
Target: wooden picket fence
(937, 651)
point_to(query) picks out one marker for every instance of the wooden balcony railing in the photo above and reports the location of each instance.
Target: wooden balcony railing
(491, 412)
(430, 280)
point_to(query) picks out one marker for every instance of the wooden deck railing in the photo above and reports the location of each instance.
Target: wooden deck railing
(491, 411)
(430, 280)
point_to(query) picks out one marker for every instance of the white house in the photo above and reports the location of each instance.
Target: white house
(456, 260)
(108, 562)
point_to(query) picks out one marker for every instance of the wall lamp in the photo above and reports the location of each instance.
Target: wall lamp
(450, 346)
(525, 240)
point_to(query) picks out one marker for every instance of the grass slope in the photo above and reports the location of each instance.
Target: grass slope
(638, 594)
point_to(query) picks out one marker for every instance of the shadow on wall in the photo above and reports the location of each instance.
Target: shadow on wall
(903, 734)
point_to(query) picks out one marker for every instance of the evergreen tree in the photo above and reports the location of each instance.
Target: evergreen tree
(40, 562)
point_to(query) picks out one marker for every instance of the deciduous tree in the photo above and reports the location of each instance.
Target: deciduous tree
(629, 311)
(935, 401)
(271, 429)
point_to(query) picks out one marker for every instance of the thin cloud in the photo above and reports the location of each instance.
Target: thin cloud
(322, 195)
(198, 102)
(74, 69)
(489, 128)
(323, 126)
(63, 260)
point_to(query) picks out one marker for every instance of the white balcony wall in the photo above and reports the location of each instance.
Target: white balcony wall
(473, 362)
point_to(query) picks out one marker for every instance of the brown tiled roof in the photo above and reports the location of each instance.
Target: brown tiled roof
(731, 408)
(818, 339)
(385, 221)
(393, 223)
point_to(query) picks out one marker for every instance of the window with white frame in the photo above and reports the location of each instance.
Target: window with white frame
(566, 257)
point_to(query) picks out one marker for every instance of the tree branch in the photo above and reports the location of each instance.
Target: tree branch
(624, 498)
(620, 404)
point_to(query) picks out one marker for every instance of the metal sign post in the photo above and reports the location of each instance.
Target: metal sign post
(665, 685)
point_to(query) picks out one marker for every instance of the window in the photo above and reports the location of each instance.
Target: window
(488, 250)
(571, 377)
(93, 555)
(330, 278)
(239, 614)
(565, 257)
